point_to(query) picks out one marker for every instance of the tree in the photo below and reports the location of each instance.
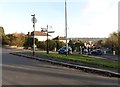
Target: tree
(78, 44)
(5, 40)
(9, 39)
(59, 44)
(2, 31)
(41, 45)
(52, 44)
(100, 44)
(72, 44)
(20, 40)
(29, 41)
(113, 42)
(75, 45)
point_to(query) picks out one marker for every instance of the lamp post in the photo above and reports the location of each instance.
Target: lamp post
(66, 27)
(47, 41)
(46, 30)
(34, 20)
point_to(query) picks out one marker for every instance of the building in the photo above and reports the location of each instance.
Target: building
(41, 36)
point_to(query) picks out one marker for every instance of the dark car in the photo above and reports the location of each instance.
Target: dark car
(96, 52)
(63, 50)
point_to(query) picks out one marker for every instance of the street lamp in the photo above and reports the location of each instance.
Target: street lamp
(66, 27)
(34, 20)
(46, 30)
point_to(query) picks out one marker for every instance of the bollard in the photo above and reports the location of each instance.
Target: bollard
(104, 52)
(113, 52)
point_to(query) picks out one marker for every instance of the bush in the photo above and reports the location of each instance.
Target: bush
(59, 44)
(51, 44)
(41, 45)
(29, 42)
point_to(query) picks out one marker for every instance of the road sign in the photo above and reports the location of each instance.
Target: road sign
(44, 30)
(34, 20)
(51, 31)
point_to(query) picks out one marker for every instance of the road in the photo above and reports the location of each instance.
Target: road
(23, 71)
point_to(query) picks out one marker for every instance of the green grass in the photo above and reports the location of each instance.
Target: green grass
(83, 59)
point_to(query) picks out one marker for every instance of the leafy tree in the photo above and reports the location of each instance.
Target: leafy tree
(51, 44)
(59, 44)
(29, 41)
(78, 44)
(9, 39)
(20, 40)
(113, 42)
(72, 44)
(2, 31)
(1, 34)
(75, 45)
(5, 40)
(41, 45)
(100, 44)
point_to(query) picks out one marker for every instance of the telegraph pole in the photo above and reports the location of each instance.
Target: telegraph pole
(66, 27)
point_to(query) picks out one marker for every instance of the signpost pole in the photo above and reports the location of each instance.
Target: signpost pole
(34, 20)
(47, 44)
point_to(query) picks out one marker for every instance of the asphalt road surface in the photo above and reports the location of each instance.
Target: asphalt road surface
(23, 71)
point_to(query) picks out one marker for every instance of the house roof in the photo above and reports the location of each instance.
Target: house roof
(38, 33)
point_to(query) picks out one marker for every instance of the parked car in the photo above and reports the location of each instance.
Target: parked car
(85, 51)
(63, 50)
(96, 52)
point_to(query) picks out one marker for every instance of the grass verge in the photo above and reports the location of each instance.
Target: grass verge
(83, 59)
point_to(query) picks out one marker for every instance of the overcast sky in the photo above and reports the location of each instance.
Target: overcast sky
(86, 18)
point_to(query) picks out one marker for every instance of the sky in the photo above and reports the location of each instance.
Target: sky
(85, 18)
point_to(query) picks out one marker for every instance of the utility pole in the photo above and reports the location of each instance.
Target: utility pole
(66, 27)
